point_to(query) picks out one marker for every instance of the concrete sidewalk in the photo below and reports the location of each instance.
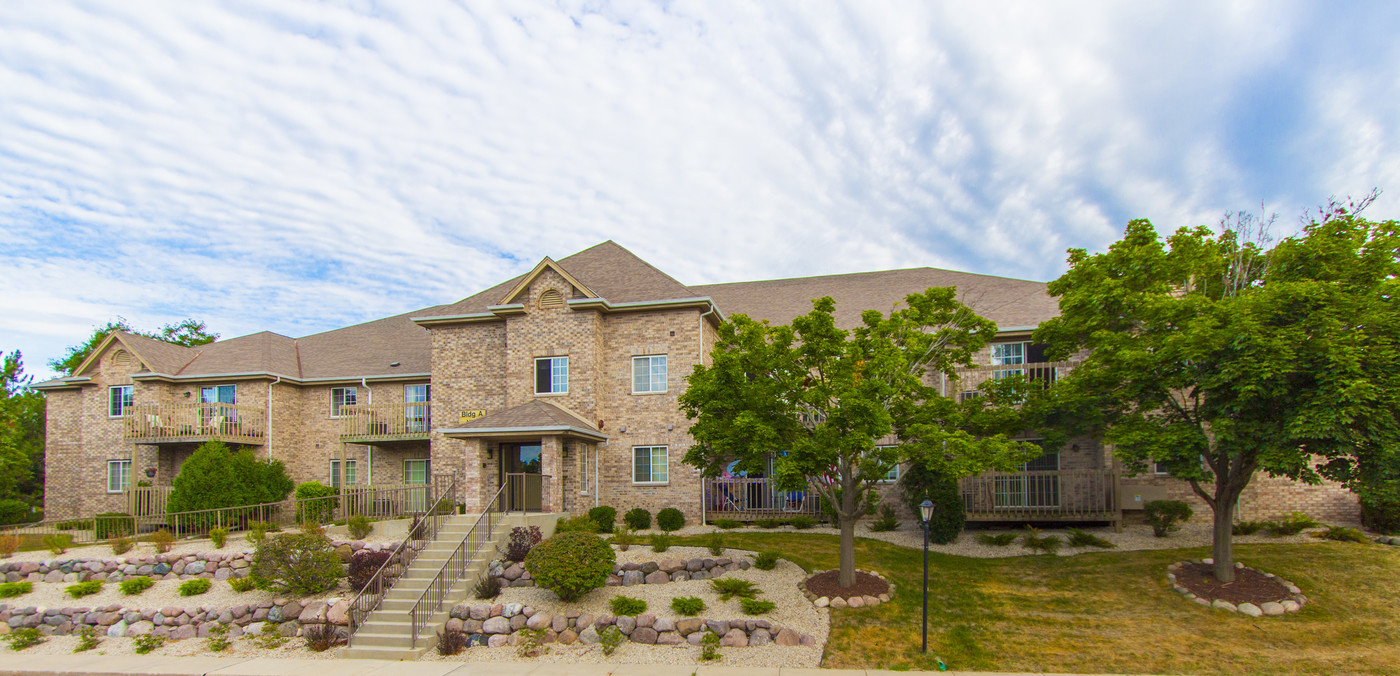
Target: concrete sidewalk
(98, 665)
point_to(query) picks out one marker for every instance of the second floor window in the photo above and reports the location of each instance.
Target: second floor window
(552, 375)
(649, 374)
(416, 417)
(119, 399)
(342, 397)
(219, 394)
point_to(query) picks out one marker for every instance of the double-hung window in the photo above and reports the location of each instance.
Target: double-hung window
(649, 374)
(649, 465)
(342, 397)
(118, 475)
(416, 398)
(119, 399)
(1008, 354)
(349, 473)
(552, 375)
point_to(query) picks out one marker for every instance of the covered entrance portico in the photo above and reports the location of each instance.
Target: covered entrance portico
(529, 457)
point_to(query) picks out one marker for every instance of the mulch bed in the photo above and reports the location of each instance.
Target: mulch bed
(1250, 586)
(825, 584)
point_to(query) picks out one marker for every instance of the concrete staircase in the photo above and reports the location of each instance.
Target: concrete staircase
(387, 634)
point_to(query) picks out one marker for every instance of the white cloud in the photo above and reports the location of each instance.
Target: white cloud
(296, 166)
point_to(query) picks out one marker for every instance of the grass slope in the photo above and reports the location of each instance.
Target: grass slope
(1108, 611)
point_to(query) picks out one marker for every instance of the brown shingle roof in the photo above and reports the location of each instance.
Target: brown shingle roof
(367, 349)
(262, 352)
(1008, 302)
(158, 355)
(532, 414)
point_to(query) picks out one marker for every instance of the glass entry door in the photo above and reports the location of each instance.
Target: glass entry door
(520, 474)
(415, 474)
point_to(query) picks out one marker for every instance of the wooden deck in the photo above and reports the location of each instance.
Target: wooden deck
(378, 423)
(1054, 495)
(744, 499)
(194, 423)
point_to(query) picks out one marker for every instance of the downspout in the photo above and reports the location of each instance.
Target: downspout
(269, 417)
(369, 448)
(700, 334)
(595, 474)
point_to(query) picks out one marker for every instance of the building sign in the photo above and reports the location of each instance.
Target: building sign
(468, 416)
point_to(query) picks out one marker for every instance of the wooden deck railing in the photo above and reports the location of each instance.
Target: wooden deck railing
(1042, 373)
(386, 422)
(147, 500)
(1059, 495)
(752, 499)
(184, 423)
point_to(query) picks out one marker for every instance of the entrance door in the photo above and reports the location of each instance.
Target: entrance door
(415, 474)
(520, 473)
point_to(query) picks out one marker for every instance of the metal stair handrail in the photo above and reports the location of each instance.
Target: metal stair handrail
(430, 602)
(368, 599)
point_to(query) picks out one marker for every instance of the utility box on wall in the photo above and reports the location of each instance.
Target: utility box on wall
(1136, 497)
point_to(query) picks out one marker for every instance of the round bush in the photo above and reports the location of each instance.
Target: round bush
(296, 563)
(670, 519)
(638, 519)
(949, 513)
(571, 564)
(604, 517)
(1380, 506)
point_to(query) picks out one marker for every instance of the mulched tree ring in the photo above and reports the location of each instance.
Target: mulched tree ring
(870, 589)
(1254, 593)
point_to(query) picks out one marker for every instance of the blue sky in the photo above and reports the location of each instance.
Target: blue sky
(297, 166)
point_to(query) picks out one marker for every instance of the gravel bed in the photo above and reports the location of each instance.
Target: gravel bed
(779, 585)
(191, 546)
(162, 594)
(1195, 533)
(241, 647)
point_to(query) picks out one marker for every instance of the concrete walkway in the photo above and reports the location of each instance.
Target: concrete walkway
(98, 665)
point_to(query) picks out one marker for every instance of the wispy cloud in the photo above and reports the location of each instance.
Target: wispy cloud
(299, 166)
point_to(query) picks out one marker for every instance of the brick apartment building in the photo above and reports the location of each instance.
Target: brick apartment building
(565, 377)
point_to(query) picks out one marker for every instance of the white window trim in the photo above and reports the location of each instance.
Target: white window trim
(216, 393)
(665, 381)
(113, 389)
(633, 464)
(552, 393)
(1158, 472)
(126, 474)
(352, 470)
(332, 412)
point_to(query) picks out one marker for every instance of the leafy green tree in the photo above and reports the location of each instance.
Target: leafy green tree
(215, 477)
(822, 397)
(21, 432)
(188, 333)
(1219, 357)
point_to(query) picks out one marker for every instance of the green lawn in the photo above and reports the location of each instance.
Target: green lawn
(1108, 611)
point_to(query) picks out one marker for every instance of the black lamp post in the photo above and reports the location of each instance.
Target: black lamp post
(926, 511)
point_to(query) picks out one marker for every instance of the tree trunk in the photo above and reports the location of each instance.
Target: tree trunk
(1223, 543)
(847, 576)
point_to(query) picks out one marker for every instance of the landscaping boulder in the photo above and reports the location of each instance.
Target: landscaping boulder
(734, 638)
(645, 635)
(496, 625)
(788, 637)
(588, 636)
(541, 620)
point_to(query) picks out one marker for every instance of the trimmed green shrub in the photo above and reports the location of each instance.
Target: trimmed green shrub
(727, 524)
(576, 524)
(756, 607)
(1045, 544)
(766, 560)
(709, 647)
(133, 586)
(626, 605)
(1344, 534)
(715, 542)
(688, 606)
(217, 641)
(1248, 527)
(638, 518)
(604, 517)
(25, 638)
(886, 521)
(730, 587)
(110, 525)
(57, 543)
(218, 536)
(571, 564)
(768, 523)
(82, 589)
(997, 539)
(610, 639)
(660, 542)
(1166, 516)
(9, 590)
(1293, 524)
(802, 522)
(359, 527)
(1083, 538)
(195, 587)
(918, 483)
(88, 639)
(216, 476)
(315, 502)
(242, 584)
(670, 519)
(622, 537)
(145, 643)
(297, 564)
(74, 524)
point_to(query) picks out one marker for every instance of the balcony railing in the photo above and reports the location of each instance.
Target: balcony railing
(1042, 373)
(746, 499)
(185, 423)
(386, 422)
(1056, 495)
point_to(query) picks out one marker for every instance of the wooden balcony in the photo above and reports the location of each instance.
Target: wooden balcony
(1028, 497)
(194, 423)
(745, 499)
(378, 423)
(1042, 373)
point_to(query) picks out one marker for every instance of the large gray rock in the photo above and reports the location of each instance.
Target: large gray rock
(117, 630)
(646, 620)
(558, 624)
(720, 627)
(664, 624)
(689, 625)
(788, 637)
(645, 635)
(480, 612)
(668, 638)
(541, 620)
(517, 622)
(632, 578)
(588, 636)
(496, 625)
(735, 638)
(1272, 608)
(626, 624)
(760, 637)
